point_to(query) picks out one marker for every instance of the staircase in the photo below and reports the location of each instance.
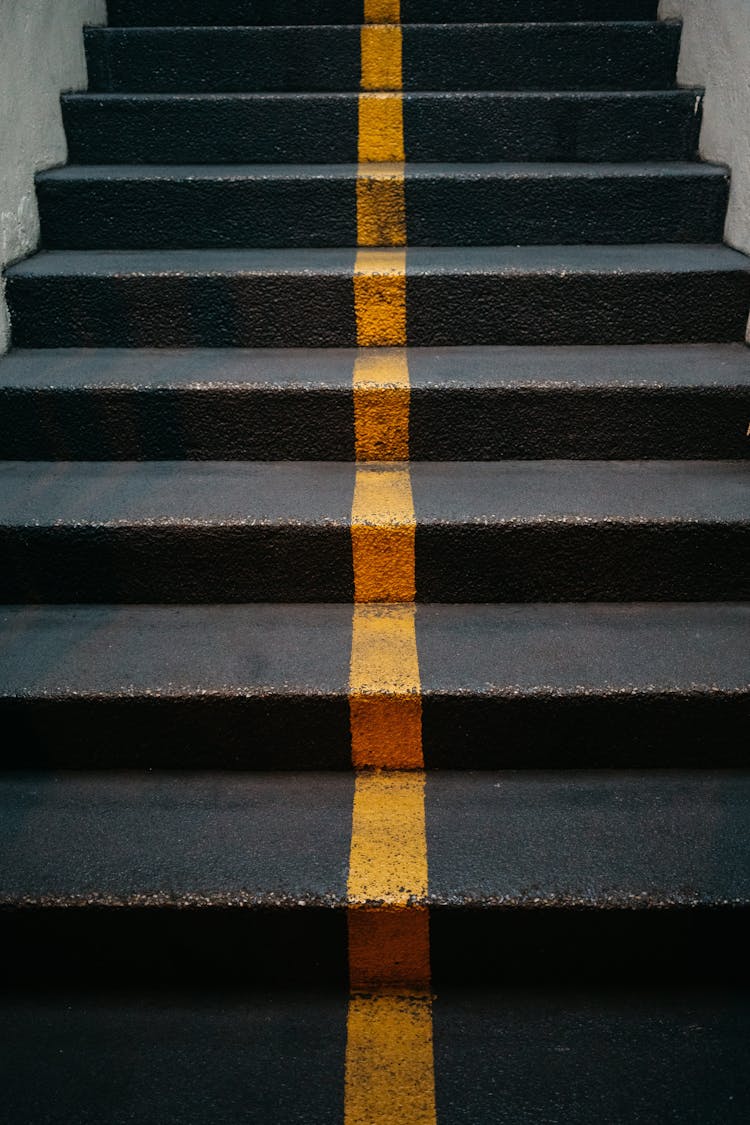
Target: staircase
(375, 530)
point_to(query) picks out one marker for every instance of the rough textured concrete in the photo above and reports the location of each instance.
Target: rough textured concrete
(475, 404)
(266, 687)
(244, 128)
(716, 54)
(41, 53)
(596, 56)
(205, 1057)
(137, 207)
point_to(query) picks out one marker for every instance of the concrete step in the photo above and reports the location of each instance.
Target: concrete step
(472, 56)
(210, 876)
(280, 205)
(320, 128)
(161, 13)
(266, 686)
(656, 293)
(244, 531)
(485, 403)
(235, 1056)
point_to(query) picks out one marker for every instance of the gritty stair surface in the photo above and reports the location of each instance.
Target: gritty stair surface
(606, 1055)
(456, 295)
(178, 437)
(244, 12)
(136, 207)
(259, 531)
(267, 686)
(595, 56)
(473, 403)
(323, 128)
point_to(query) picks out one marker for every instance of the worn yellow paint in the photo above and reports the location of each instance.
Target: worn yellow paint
(381, 127)
(389, 1055)
(388, 857)
(382, 50)
(383, 527)
(382, 11)
(380, 298)
(381, 205)
(382, 398)
(385, 704)
(389, 1061)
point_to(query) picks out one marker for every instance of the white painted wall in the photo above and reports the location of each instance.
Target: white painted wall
(716, 54)
(41, 54)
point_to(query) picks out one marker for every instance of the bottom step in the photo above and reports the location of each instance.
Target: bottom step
(515, 1057)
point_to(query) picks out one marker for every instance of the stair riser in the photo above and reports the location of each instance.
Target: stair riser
(502, 57)
(93, 946)
(235, 309)
(162, 13)
(236, 129)
(553, 561)
(321, 211)
(233, 424)
(468, 731)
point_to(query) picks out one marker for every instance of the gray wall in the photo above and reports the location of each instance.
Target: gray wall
(41, 53)
(716, 54)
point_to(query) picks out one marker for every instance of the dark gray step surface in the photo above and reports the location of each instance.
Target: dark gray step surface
(80, 1058)
(265, 687)
(485, 403)
(168, 206)
(470, 56)
(656, 293)
(462, 126)
(196, 860)
(200, 531)
(269, 12)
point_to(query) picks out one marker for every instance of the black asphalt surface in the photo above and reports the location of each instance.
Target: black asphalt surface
(323, 128)
(480, 403)
(135, 207)
(597, 56)
(505, 1055)
(266, 686)
(242, 12)
(485, 531)
(455, 295)
(172, 875)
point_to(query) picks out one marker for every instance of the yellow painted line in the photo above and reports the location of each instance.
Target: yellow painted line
(389, 1054)
(389, 1061)
(381, 205)
(382, 11)
(382, 398)
(388, 857)
(382, 51)
(385, 704)
(383, 529)
(380, 298)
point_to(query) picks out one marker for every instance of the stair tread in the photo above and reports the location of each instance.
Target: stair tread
(319, 493)
(638, 365)
(537, 170)
(659, 258)
(616, 1055)
(491, 651)
(239, 12)
(605, 840)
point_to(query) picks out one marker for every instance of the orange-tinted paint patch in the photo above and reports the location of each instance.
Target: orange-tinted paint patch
(382, 11)
(389, 948)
